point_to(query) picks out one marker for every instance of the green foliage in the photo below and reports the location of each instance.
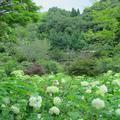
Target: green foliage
(37, 49)
(12, 13)
(97, 24)
(26, 33)
(96, 29)
(75, 12)
(7, 63)
(6, 33)
(61, 29)
(76, 94)
(56, 54)
(85, 44)
(101, 37)
(19, 12)
(51, 66)
(109, 63)
(83, 67)
(91, 66)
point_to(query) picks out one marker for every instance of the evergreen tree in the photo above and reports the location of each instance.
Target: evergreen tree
(78, 12)
(73, 12)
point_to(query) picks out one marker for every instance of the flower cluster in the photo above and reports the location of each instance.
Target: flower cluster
(56, 82)
(109, 72)
(15, 109)
(74, 94)
(88, 90)
(84, 83)
(18, 73)
(52, 89)
(54, 110)
(116, 82)
(94, 83)
(35, 101)
(63, 81)
(98, 103)
(6, 100)
(57, 101)
(102, 90)
(117, 112)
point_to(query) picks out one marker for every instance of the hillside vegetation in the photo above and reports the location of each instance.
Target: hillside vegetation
(59, 64)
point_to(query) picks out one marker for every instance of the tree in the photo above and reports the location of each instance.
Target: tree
(78, 12)
(75, 12)
(18, 11)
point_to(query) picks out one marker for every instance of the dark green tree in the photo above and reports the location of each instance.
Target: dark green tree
(73, 13)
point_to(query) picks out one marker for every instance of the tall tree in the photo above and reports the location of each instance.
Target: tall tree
(18, 11)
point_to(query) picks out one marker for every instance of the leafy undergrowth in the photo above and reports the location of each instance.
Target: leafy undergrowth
(59, 97)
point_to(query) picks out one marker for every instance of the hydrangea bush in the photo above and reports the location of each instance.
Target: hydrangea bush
(60, 97)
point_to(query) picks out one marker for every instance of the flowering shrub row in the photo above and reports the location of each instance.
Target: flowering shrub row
(60, 97)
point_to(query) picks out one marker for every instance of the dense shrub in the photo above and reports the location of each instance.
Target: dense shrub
(83, 66)
(56, 54)
(93, 66)
(105, 64)
(51, 66)
(35, 69)
(37, 49)
(10, 66)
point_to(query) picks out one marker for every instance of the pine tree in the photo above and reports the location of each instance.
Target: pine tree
(73, 12)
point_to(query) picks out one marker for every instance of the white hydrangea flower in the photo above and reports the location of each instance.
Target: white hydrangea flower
(57, 101)
(116, 82)
(117, 75)
(18, 73)
(3, 105)
(109, 72)
(39, 116)
(119, 105)
(78, 78)
(88, 91)
(32, 101)
(15, 109)
(6, 100)
(63, 81)
(54, 110)
(35, 101)
(117, 112)
(111, 111)
(94, 83)
(98, 103)
(26, 77)
(84, 83)
(52, 89)
(37, 78)
(103, 89)
(51, 76)
(83, 97)
(56, 82)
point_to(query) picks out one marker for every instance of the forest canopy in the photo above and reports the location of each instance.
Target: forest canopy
(92, 36)
(95, 30)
